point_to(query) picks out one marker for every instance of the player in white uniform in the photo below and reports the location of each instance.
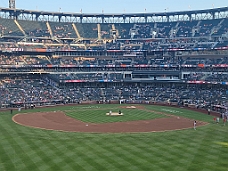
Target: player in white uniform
(194, 124)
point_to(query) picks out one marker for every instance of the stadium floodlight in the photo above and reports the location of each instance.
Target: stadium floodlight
(12, 4)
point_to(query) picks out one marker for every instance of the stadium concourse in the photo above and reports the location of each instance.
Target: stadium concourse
(180, 61)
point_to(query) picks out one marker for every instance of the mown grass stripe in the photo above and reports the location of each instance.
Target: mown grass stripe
(184, 150)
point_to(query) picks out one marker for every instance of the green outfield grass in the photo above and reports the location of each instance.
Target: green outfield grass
(29, 149)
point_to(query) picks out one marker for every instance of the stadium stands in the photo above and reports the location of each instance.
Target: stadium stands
(9, 28)
(34, 28)
(168, 35)
(88, 30)
(47, 62)
(61, 30)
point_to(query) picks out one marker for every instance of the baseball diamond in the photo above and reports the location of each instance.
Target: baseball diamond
(79, 131)
(57, 120)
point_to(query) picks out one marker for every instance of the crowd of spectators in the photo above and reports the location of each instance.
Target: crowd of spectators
(217, 77)
(23, 60)
(24, 92)
(88, 77)
(197, 66)
(208, 77)
(203, 61)
(27, 91)
(188, 35)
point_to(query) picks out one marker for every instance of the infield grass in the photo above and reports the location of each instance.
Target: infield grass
(97, 114)
(26, 149)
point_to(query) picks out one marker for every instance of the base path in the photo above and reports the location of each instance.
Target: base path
(60, 122)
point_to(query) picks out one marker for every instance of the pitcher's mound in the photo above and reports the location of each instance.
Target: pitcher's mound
(114, 114)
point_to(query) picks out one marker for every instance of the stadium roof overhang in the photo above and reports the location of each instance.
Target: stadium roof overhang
(17, 13)
(113, 14)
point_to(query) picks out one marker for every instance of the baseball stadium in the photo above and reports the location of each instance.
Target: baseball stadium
(116, 92)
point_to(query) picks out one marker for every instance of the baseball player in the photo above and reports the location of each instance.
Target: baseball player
(194, 124)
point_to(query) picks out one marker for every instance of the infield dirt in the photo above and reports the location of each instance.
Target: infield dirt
(59, 121)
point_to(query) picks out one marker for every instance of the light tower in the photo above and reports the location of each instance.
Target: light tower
(12, 4)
